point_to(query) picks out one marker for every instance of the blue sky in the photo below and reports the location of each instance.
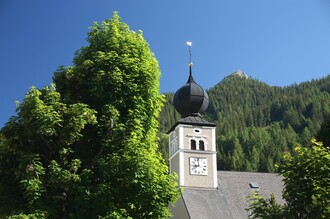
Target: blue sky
(280, 42)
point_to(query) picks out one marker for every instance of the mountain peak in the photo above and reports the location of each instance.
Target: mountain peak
(240, 74)
(236, 76)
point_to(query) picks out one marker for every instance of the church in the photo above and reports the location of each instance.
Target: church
(206, 192)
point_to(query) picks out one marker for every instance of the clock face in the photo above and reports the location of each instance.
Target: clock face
(198, 166)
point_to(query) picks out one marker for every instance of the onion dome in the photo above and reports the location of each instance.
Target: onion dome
(191, 99)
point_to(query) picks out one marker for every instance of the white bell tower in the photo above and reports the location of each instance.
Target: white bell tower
(192, 153)
(192, 140)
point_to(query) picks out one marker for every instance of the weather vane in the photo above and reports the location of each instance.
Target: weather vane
(189, 44)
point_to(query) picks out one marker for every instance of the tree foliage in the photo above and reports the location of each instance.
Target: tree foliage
(307, 181)
(306, 186)
(324, 133)
(265, 208)
(86, 147)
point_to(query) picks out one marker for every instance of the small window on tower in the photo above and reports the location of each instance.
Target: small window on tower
(201, 145)
(193, 144)
(197, 131)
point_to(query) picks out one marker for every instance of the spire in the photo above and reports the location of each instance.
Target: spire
(191, 99)
(190, 79)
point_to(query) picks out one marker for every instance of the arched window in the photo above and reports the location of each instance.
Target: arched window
(201, 145)
(192, 144)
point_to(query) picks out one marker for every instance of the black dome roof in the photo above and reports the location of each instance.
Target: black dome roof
(191, 99)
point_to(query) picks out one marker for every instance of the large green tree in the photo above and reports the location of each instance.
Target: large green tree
(86, 147)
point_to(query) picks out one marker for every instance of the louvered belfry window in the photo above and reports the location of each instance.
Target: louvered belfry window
(193, 144)
(201, 145)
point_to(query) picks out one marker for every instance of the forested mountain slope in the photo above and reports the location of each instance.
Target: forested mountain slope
(257, 123)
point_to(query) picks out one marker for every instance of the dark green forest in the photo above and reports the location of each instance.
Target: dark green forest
(257, 123)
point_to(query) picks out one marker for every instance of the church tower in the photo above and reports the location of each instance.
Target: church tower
(192, 147)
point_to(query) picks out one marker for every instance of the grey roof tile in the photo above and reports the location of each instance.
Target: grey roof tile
(229, 200)
(192, 120)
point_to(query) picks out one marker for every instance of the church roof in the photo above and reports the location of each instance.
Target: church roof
(229, 200)
(192, 120)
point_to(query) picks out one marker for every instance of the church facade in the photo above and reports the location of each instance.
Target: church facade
(206, 192)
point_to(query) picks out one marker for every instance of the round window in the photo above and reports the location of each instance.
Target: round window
(197, 131)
